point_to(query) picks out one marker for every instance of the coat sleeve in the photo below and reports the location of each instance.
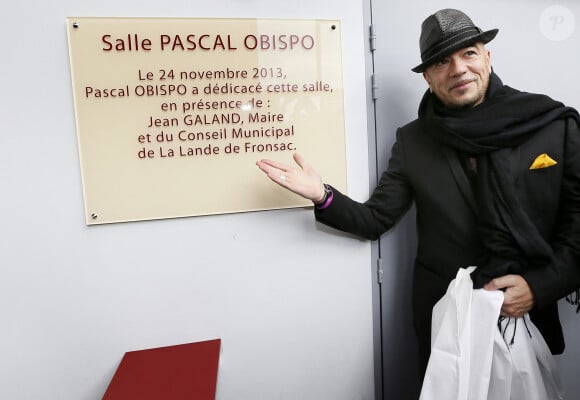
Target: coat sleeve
(387, 204)
(562, 276)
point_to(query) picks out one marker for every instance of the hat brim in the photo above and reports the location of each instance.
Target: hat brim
(484, 37)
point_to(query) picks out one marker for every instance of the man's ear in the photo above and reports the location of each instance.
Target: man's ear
(488, 57)
(426, 77)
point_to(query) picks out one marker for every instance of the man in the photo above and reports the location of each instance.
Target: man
(495, 177)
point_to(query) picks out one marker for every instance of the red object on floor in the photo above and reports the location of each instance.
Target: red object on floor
(185, 371)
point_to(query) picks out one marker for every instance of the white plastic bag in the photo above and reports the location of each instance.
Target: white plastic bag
(472, 360)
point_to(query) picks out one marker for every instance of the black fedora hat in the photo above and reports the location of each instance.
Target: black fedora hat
(446, 31)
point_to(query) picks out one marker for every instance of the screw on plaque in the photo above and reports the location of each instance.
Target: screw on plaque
(94, 216)
(333, 27)
(75, 25)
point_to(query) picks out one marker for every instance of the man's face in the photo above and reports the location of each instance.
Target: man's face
(460, 80)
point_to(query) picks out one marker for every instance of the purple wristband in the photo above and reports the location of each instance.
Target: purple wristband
(328, 199)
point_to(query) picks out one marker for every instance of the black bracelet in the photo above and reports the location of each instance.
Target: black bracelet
(327, 194)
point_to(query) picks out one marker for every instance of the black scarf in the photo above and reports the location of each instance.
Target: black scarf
(506, 119)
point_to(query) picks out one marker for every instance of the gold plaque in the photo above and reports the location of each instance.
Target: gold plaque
(173, 113)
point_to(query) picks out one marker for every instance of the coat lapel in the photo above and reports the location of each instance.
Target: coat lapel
(460, 177)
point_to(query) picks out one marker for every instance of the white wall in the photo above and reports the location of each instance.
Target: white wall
(290, 301)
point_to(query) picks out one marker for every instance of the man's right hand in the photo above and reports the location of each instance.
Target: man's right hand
(303, 181)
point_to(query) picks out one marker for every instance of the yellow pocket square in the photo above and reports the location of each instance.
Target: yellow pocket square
(543, 161)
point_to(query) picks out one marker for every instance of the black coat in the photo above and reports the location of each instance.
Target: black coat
(433, 176)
